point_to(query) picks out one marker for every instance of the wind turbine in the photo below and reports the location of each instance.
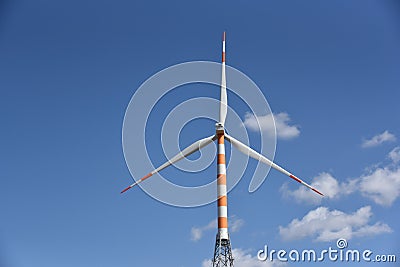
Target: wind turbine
(222, 252)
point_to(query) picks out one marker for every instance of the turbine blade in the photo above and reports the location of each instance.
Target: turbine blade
(184, 153)
(254, 154)
(223, 109)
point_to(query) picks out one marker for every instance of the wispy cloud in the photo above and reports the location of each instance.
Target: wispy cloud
(394, 155)
(196, 233)
(326, 225)
(243, 258)
(235, 224)
(379, 139)
(381, 184)
(266, 124)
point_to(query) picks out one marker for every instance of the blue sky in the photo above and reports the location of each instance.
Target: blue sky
(67, 73)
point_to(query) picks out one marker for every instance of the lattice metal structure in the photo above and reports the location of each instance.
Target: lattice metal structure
(222, 253)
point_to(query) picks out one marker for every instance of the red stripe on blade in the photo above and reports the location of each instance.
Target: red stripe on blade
(295, 178)
(141, 180)
(316, 191)
(147, 176)
(126, 189)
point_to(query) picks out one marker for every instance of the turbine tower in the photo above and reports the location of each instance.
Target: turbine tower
(223, 251)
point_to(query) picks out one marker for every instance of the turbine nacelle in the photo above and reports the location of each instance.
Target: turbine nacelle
(219, 127)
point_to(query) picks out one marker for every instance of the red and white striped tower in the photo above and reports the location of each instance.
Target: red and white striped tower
(223, 250)
(221, 184)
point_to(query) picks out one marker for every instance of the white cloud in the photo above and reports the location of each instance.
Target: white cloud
(235, 223)
(243, 258)
(379, 139)
(382, 185)
(196, 233)
(266, 124)
(394, 155)
(325, 183)
(325, 225)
